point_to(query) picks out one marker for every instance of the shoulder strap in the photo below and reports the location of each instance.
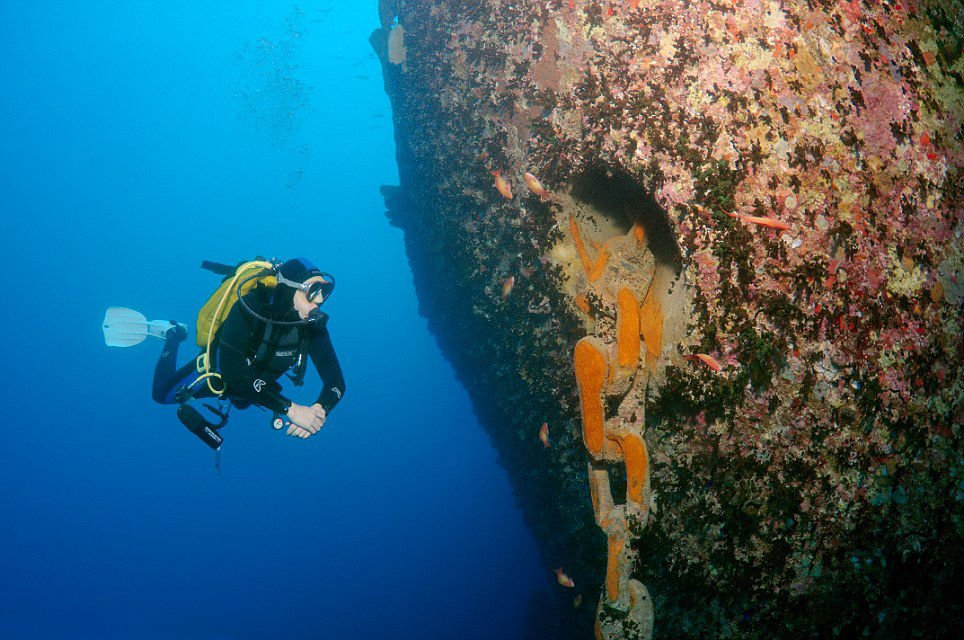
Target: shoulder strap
(259, 341)
(298, 373)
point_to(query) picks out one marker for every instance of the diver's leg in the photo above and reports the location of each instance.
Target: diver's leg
(167, 378)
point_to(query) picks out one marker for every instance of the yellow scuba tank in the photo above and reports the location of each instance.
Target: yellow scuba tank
(219, 305)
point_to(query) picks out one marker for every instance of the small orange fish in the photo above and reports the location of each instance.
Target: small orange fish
(482, 157)
(535, 186)
(563, 579)
(709, 361)
(501, 184)
(544, 435)
(763, 222)
(507, 286)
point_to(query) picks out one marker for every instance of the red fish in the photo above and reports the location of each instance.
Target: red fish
(536, 187)
(563, 579)
(709, 361)
(763, 222)
(544, 435)
(507, 286)
(501, 184)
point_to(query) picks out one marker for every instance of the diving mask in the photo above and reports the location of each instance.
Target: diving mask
(316, 292)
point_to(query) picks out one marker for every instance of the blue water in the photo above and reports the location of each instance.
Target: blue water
(137, 139)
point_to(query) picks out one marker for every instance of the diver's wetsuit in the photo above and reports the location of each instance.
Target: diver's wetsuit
(251, 358)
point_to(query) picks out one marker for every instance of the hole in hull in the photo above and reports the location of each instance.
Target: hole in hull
(619, 202)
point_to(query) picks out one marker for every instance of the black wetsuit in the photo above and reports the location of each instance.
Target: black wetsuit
(251, 356)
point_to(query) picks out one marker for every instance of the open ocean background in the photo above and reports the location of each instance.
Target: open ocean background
(139, 138)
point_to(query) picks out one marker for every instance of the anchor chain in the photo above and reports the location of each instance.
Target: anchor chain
(609, 365)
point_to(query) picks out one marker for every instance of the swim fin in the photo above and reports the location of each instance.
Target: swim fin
(126, 327)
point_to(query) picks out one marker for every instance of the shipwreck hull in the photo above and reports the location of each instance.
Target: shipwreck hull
(736, 304)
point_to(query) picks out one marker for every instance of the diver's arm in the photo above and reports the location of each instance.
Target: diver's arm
(243, 381)
(323, 357)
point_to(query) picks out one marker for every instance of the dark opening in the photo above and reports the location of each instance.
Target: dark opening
(616, 195)
(618, 482)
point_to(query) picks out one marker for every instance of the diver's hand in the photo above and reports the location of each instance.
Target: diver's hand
(320, 412)
(295, 430)
(305, 421)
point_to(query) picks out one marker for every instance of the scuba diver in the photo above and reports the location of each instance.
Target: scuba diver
(263, 322)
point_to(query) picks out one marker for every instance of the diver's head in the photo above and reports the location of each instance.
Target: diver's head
(310, 287)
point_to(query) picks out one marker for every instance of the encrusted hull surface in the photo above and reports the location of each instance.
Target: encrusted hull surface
(729, 285)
